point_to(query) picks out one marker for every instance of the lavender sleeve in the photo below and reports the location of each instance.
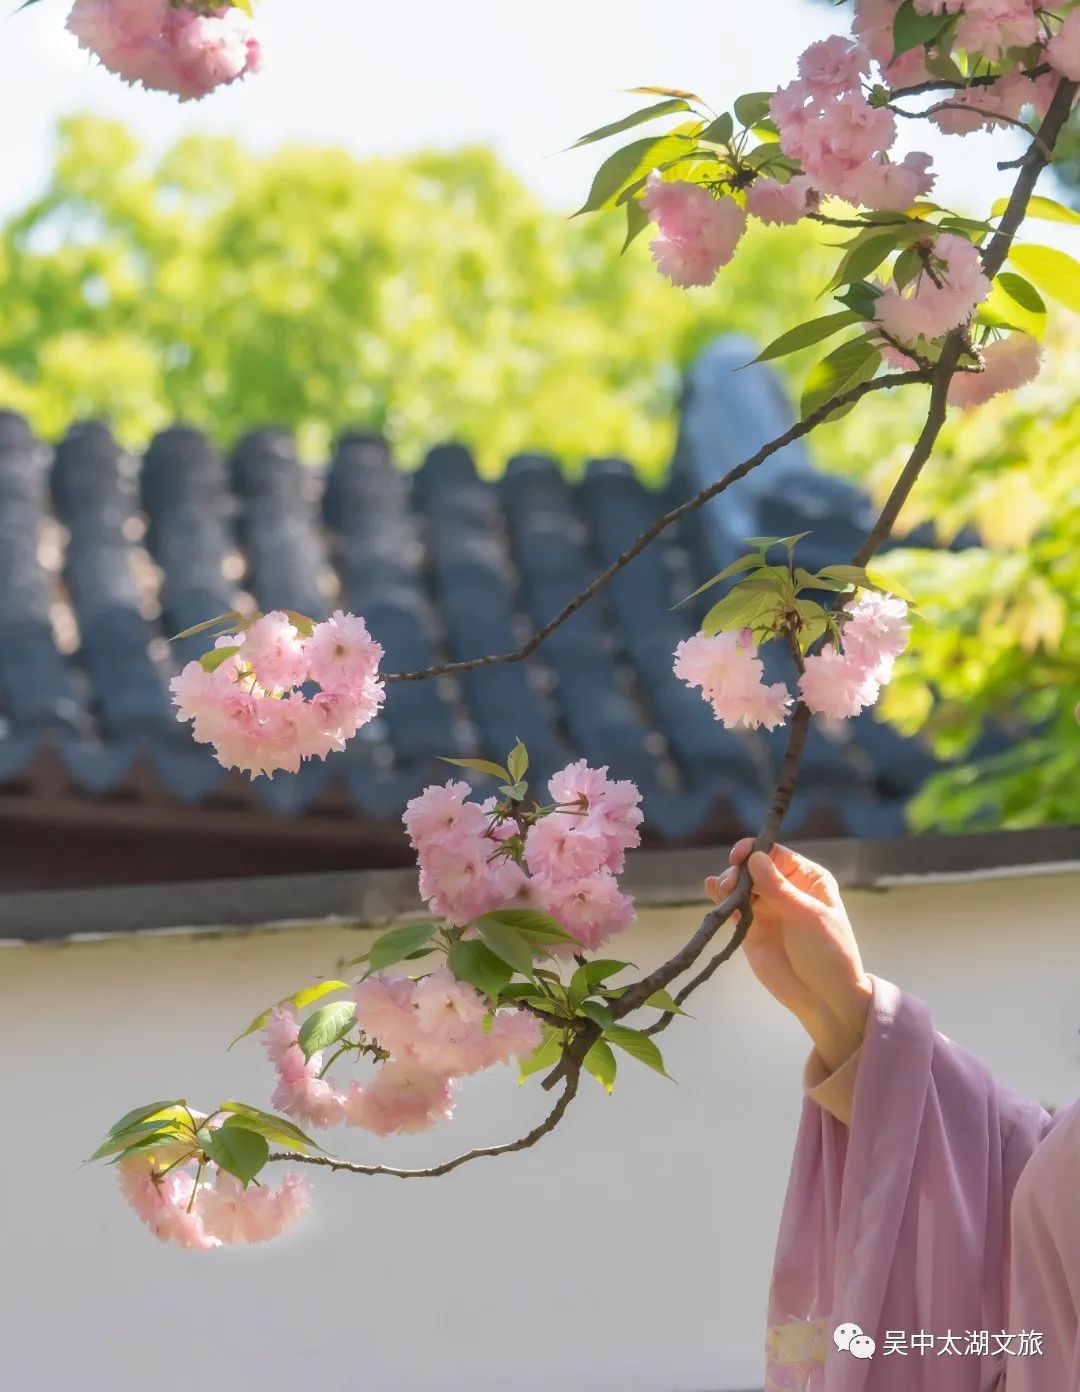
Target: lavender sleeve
(899, 1221)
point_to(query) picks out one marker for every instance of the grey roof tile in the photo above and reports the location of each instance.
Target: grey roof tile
(444, 565)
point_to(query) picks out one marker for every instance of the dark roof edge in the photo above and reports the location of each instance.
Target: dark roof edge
(656, 877)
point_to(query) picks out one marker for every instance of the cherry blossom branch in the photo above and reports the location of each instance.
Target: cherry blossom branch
(1032, 164)
(795, 432)
(997, 117)
(936, 85)
(993, 258)
(738, 900)
(330, 1162)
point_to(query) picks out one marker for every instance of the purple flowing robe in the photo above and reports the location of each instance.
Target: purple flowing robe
(948, 1206)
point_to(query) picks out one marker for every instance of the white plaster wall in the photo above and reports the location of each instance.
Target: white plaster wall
(629, 1252)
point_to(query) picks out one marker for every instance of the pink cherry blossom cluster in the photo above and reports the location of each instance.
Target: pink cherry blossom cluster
(1063, 50)
(837, 684)
(188, 49)
(179, 1207)
(428, 1033)
(840, 140)
(474, 858)
(1008, 363)
(990, 28)
(942, 296)
(249, 708)
(698, 233)
(729, 673)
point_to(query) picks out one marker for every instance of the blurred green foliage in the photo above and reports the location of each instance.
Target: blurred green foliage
(430, 297)
(995, 637)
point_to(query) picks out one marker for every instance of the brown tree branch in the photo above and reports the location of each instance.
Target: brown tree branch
(795, 432)
(330, 1162)
(942, 86)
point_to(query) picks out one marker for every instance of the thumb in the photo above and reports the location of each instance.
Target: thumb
(777, 889)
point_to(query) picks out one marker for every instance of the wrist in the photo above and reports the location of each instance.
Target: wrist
(852, 1008)
(836, 1031)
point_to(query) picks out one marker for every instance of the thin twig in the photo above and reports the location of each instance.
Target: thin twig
(330, 1162)
(942, 86)
(796, 432)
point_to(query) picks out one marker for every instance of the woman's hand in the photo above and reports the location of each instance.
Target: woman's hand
(801, 946)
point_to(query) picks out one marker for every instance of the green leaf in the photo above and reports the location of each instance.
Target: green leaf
(767, 543)
(1047, 209)
(535, 927)
(845, 367)
(859, 298)
(212, 660)
(632, 162)
(397, 944)
(140, 1131)
(753, 107)
(475, 963)
(518, 762)
(480, 766)
(740, 608)
(231, 617)
(890, 585)
(303, 625)
(913, 30)
(805, 334)
(147, 1145)
(1054, 272)
(1022, 292)
(720, 131)
(236, 1149)
(274, 1128)
(942, 65)
(664, 1000)
(865, 255)
(667, 92)
(144, 1113)
(328, 1024)
(546, 1054)
(593, 973)
(506, 943)
(638, 1046)
(600, 1063)
(907, 266)
(598, 1013)
(637, 219)
(299, 999)
(747, 562)
(848, 574)
(1014, 303)
(636, 118)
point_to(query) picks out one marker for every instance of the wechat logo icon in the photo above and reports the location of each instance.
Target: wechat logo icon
(849, 1338)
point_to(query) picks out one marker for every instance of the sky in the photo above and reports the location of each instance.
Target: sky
(527, 76)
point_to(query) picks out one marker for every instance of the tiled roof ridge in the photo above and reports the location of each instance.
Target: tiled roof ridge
(103, 554)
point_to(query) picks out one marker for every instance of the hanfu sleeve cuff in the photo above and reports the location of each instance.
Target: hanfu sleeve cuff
(835, 1091)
